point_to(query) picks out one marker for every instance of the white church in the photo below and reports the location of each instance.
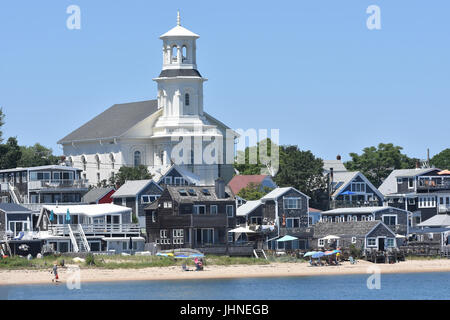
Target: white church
(172, 130)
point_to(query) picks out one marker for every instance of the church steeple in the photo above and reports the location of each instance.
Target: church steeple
(180, 85)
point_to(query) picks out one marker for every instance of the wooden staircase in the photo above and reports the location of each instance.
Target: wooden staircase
(259, 254)
(78, 238)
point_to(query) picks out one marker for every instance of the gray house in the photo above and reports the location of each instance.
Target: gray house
(365, 235)
(137, 194)
(15, 219)
(396, 219)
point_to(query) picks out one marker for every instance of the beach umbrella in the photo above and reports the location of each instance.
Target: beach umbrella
(68, 215)
(52, 216)
(348, 192)
(197, 255)
(329, 253)
(399, 236)
(310, 253)
(287, 238)
(318, 255)
(336, 251)
(181, 256)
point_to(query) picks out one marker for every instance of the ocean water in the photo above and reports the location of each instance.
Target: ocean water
(419, 286)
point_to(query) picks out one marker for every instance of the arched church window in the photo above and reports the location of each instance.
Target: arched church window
(161, 156)
(174, 53)
(137, 158)
(184, 53)
(186, 99)
(84, 162)
(97, 159)
(113, 160)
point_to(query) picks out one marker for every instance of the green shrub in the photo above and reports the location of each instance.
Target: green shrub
(90, 260)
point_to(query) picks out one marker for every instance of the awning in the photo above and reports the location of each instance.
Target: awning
(287, 238)
(330, 237)
(241, 230)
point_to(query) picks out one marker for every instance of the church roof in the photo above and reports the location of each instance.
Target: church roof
(168, 73)
(113, 122)
(179, 31)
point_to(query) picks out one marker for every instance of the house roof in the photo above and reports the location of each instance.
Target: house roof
(132, 188)
(342, 179)
(248, 208)
(278, 192)
(13, 208)
(48, 167)
(95, 194)
(359, 210)
(344, 229)
(439, 220)
(314, 210)
(389, 185)
(188, 175)
(179, 31)
(199, 194)
(107, 124)
(337, 165)
(93, 210)
(239, 182)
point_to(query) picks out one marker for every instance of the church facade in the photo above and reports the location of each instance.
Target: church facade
(172, 129)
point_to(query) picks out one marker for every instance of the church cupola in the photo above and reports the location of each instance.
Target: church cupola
(179, 48)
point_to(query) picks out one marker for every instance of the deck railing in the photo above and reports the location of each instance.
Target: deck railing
(90, 229)
(53, 184)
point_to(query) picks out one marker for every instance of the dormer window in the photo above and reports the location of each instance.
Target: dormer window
(184, 53)
(186, 99)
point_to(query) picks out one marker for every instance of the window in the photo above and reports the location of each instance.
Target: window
(399, 180)
(178, 233)
(36, 175)
(199, 209)
(137, 158)
(168, 180)
(410, 183)
(179, 181)
(353, 240)
(321, 242)
(256, 220)
(230, 211)
(192, 192)
(206, 192)
(168, 204)
(390, 242)
(183, 192)
(371, 242)
(163, 234)
(56, 175)
(186, 99)
(292, 222)
(149, 198)
(230, 236)
(390, 220)
(355, 218)
(97, 159)
(358, 187)
(427, 202)
(154, 216)
(411, 201)
(291, 203)
(213, 209)
(349, 218)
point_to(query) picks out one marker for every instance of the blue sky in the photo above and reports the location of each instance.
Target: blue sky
(309, 68)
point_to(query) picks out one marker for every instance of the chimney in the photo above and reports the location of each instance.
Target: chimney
(220, 188)
(417, 164)
(338, 157)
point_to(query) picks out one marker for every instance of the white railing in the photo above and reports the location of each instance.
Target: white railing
(83, 237)
(73, 239)
(63, 229)
(444, 208)
(42, 184)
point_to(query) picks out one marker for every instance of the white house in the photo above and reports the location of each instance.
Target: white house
(174, 128)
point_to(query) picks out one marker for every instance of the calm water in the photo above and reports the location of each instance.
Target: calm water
(393, 286)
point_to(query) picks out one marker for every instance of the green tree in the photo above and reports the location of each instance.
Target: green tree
(303, 171)
(260, 159)
(10, 154)
(130, 173)
(376, 163)
(441, 160)
(254, 191)
(37, 155)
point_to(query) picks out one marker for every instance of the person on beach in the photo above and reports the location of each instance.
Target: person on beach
(55, 272)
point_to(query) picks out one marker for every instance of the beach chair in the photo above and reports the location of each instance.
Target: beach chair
(352, 261)
(20, 236)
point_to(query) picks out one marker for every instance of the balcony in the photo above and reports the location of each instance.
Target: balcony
(335, 204)
(96, 229)
(444, 208)
(433, 183)
(58, 184)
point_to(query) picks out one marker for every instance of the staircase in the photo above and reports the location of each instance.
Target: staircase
(78, 238)
(15, 196)
(259, 253)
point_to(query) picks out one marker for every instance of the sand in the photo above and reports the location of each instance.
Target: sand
(14, 277)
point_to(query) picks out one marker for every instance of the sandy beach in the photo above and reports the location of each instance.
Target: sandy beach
(14, 277)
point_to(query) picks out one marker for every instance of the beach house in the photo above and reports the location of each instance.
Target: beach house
(198, 217)
(370, 235)
(136, 195)
(423, 191)
(396, 219)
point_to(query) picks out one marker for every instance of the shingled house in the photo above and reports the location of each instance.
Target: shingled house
(365, 235)
(396, 219)
(192, 217)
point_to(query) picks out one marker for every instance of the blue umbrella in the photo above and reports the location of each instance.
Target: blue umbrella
(68, 215)
(318, 255)
(310, 253)
(348, 192)
(336, 251)
(52, 216)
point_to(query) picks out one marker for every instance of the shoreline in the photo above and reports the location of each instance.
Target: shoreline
(288, 269)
